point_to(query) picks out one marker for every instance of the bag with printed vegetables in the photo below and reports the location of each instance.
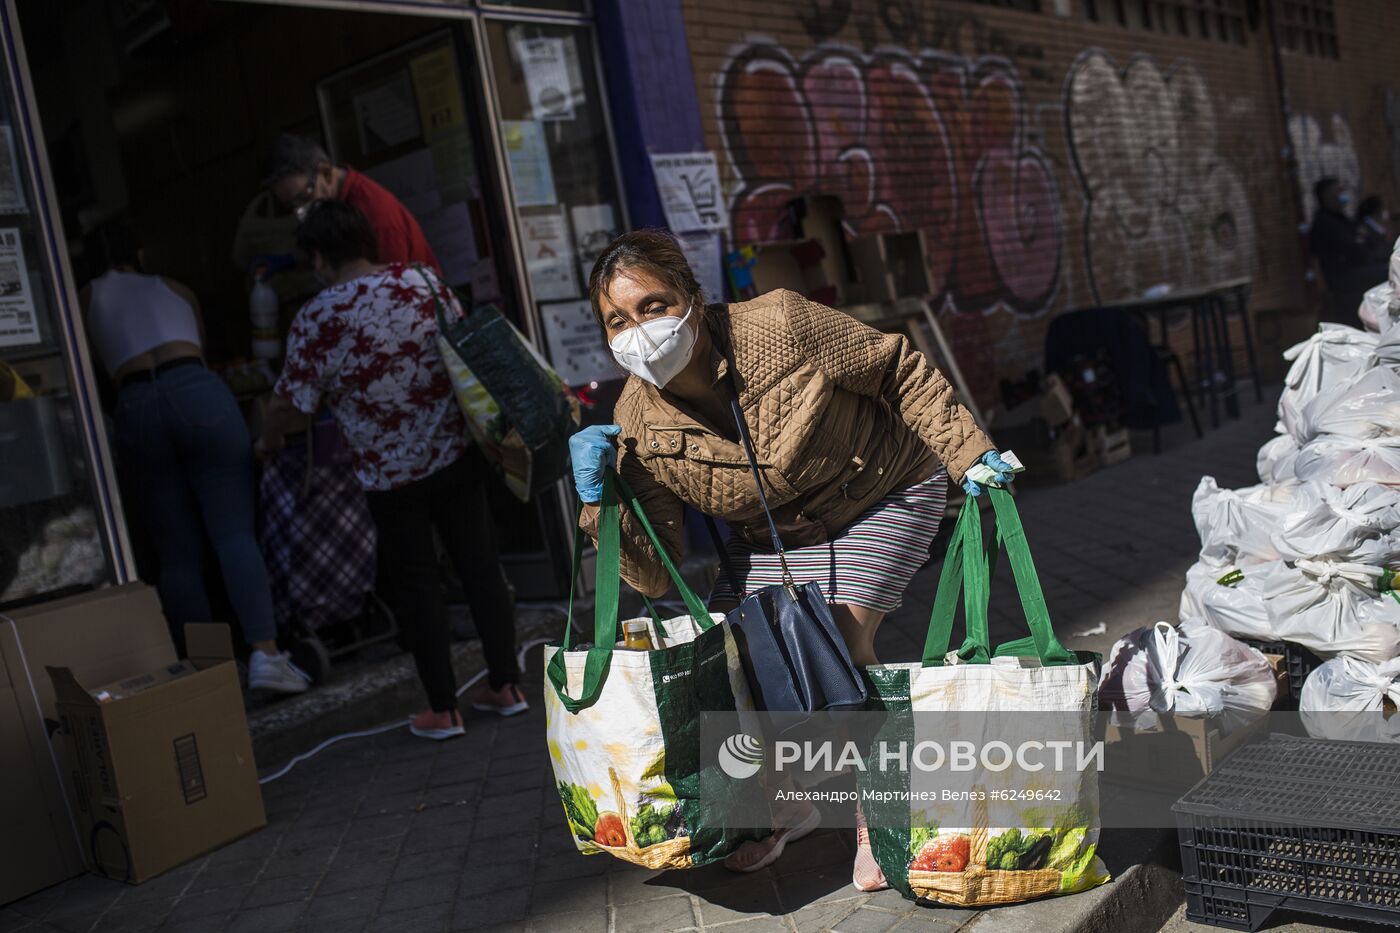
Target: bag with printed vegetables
(621, 724)
(1054, 850)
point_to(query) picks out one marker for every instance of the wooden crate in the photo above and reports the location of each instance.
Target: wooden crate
(890, 266)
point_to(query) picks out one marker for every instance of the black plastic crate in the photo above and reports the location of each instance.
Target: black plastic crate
(1298, 661)
(1293, 823)
(1249, 910)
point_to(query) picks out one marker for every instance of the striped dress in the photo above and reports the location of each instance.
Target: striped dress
(869, 564)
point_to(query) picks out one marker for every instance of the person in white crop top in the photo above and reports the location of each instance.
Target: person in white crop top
(183, 447)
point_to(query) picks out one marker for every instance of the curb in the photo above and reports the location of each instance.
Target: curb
(1144, 893)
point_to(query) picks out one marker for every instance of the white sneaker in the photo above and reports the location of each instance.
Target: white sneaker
(277, 673)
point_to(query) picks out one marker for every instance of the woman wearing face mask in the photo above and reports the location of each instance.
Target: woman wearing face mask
(856, 435)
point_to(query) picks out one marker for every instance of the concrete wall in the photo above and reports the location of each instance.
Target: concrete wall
(1055, 161)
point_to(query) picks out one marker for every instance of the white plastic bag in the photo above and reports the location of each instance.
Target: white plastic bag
(1200, 577)
(1346, 699)
(1351, 524)
(1275, 459)
(1366, 406)
(1335, 354)
(1375, 307)
(1191, 670)
(1331, 608)
(1238, 608)
(1388, 346)
(1345, 461)
(1237, 524)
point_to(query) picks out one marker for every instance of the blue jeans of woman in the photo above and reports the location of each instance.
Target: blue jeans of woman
(184, 446)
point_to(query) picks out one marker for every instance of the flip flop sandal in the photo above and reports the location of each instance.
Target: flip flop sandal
(800, 831)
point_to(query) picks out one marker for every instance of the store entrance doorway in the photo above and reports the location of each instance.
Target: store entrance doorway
(163, 113)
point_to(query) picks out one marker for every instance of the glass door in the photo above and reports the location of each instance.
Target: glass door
(60, 530)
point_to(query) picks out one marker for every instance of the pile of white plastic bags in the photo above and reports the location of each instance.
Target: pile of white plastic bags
(1308, 555)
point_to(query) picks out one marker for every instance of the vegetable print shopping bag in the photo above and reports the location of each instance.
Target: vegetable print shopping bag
(624, 725)
(1053, 850)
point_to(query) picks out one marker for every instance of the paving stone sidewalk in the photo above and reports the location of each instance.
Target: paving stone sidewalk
(400, 835)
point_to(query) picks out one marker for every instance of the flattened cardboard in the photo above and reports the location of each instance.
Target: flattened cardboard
(166, 773)
(102, 636)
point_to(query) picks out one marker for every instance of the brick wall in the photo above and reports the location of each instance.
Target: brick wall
(1344, 115)
(1054, 160)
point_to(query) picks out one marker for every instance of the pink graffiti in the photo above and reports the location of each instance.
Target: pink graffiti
(937, 143)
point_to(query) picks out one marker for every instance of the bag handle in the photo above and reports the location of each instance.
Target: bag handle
(747, 442)
(606, 594)
(441, 311)
(967, 567)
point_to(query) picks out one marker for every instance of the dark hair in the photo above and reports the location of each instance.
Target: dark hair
(338, 231)
(648, 250)
(292, 155)
(111, 245)
(1371, 204)
(1323, 186)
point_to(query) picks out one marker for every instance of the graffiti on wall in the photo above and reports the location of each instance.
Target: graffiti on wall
(1323, 154)
(937, 142)
(1162, 205)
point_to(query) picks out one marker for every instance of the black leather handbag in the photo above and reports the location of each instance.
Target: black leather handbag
(793, 654)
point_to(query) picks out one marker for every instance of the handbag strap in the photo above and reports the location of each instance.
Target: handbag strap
(967, 568)
(437, 302)
(606, 594)
(747, 442)
(725, 560)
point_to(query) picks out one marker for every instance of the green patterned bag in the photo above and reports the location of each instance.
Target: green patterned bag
(924, 854)
(624, 725)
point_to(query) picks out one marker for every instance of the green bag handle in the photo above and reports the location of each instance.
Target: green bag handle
(606, 592)
(968, 567)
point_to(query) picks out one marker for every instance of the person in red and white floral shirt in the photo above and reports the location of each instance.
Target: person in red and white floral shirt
(367, 346)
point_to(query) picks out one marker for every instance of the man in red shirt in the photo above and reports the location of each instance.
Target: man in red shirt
(299, 172)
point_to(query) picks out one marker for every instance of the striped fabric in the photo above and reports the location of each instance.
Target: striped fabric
(869, 564)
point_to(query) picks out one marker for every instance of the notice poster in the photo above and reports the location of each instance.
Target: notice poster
(546, 78)
(439, 91)
(595, 226)
(688, 183)
(528, 155)
(19, 325)
(702, 250)
(549, 256)
(11, 186)
(386, 115)
(576, 347)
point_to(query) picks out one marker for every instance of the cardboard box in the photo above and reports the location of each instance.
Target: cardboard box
(892, 265)
(1111, 447)
(822, 219)
(163, 763)
(101, 636)
(1056, 404)
(796, 265)
(1172, 756)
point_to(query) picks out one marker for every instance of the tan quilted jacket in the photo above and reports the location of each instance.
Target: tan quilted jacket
(841, 415)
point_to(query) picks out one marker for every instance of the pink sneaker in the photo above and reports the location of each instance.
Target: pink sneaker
(431, 724)
(506, 701)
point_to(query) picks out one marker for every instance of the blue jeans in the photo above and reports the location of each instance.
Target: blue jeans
(185, 447)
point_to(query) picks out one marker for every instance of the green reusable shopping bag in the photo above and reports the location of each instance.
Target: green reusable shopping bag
(1053, 850)
(624, 726)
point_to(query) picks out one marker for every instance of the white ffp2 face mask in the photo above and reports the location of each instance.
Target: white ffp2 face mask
(656, 350)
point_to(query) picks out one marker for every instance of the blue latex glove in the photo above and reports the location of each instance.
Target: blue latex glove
(991, 459)
(593, 453)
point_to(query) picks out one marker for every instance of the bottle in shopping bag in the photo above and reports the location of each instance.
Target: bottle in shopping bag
(635, 635)
(263, 311)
